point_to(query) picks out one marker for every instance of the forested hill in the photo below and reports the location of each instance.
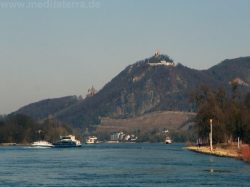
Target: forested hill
(43, 109)
(232, 69)
(152, 84)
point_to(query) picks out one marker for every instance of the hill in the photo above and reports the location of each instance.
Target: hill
(150, 85)
(171, 120)
(141, 88)
(43, 109)
(229, 70)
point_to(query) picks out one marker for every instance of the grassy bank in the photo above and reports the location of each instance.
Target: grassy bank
(224, 151)
(218, 151)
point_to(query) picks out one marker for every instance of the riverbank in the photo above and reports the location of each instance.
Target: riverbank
(231, 151)
(14, 144)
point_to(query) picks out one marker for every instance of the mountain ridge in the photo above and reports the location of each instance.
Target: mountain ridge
(149, 85)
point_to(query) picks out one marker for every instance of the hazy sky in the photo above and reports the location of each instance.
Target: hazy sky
(55, 48)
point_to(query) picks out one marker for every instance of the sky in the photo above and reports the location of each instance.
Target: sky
(56, 48)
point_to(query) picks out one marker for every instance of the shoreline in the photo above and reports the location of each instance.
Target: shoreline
(218, 151)
(14, 144)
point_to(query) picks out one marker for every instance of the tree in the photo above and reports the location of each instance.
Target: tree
(210, 104)
(22, 129)
(230, 115)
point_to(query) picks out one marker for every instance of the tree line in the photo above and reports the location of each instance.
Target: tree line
(230, 112)
(22, 129)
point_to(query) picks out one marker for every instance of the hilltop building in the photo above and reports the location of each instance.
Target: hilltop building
(162, 63)
(91, 92)
(157, 53)
(159, 60)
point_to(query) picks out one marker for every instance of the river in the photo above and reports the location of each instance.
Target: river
(118, 165)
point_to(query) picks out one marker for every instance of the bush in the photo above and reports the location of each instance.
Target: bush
(245, 152)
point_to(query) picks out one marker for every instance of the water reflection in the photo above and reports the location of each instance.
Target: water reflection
(213, 170)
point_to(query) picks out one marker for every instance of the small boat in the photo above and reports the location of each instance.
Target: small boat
(168, 140)
(91, 140)
(67, 141)
(42, 144)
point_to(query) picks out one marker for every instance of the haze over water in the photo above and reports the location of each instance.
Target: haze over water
(118, 165)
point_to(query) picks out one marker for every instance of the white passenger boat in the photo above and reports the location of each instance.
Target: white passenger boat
(67, 141)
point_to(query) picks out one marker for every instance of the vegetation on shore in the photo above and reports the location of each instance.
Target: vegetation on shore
(230, 114)
(22, 129)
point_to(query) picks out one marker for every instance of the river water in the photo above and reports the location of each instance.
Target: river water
(118, 165)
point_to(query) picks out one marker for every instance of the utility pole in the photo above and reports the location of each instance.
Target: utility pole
(238, 142)
(211, 134)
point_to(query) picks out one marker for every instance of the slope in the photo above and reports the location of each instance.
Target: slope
(150, 85)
